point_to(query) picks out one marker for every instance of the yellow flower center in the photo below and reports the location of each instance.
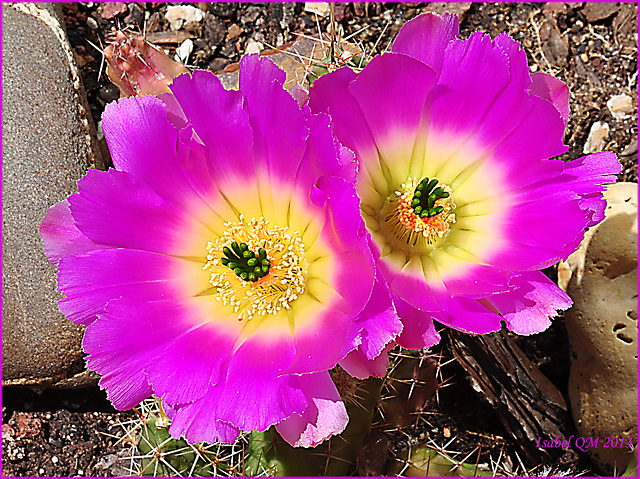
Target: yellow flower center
(263, 293)
(413, 222)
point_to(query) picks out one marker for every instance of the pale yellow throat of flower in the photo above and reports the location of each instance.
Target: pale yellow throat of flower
(257, 269)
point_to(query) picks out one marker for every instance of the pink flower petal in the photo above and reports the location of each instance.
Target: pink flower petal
(419, 331)
(118, 209)
(358, 365)
(324, 416)
(278, 125)
(331, 95)
(61, 237)
(89, 281)
(126, 127)
(391, 92)
(323, 157)
(160, 343)
(426, 37)
(528, 308)
(379, 321)
(249, 402)
(221, 122)
(556, 91)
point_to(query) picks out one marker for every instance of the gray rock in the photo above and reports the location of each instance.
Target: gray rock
(602, 279)
(48, 143)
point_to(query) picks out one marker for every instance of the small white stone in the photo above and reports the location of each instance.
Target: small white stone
(180, 15)
(620, 106)
(253, 47)
(183, 51)
(54, 459)
(92, 24)
(596, 140)
(319, 8)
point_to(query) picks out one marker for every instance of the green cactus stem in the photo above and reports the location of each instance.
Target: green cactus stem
(427, 462)
(269, 454)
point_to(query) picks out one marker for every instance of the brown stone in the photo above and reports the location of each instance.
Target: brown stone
(554, 46)
(594, 12)
(114, 9)
(457, 8)
(233, 32)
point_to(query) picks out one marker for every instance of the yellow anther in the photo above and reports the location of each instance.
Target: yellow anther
(271, 293)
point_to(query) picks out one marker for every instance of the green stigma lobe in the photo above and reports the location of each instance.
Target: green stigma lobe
(245, 263)
(425, 197)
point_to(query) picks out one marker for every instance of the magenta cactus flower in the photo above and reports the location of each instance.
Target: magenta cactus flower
(223, 264)
(462, 202)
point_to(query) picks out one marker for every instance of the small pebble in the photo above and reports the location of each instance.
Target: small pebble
(620, 106)
(92, 24)
(233, 32)
(54, 459)
(253, 47)
(596, 140)
(113, 9)
(250, 15)
(180, 15)
(183, 51)
(319, 8)
(136, 15)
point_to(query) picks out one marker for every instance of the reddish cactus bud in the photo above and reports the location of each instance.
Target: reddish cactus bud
(139, 68)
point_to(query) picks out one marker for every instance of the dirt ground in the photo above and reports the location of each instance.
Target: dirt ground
(592, 47)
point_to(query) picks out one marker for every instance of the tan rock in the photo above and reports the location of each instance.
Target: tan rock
(596, 139)
(620, 106)
(601, 277)
(180, 15)
(319, 8)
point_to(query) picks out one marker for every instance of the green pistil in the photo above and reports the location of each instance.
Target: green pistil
(244, 262)
(425, 197)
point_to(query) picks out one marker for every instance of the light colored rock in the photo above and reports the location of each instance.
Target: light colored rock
(601, 277)
(48, 143)
(596, 139)
(253, 46)
(620, 106)
(183, 51)
(179, 15)
(319, 8)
